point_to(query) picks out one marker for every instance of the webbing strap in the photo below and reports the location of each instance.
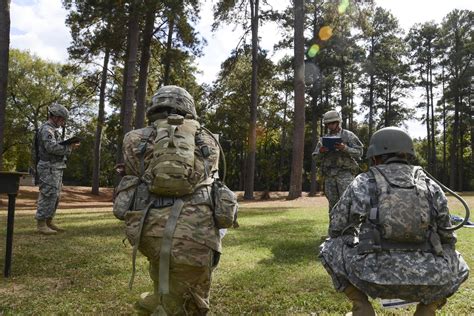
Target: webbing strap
(137, 243)
(374, 200)
(165, 251)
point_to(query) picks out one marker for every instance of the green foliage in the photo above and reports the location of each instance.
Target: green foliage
(269, 266)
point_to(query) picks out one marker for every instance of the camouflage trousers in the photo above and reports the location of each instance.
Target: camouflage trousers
(50, 184)
(414, 276)
(189, 276)
(335, 185)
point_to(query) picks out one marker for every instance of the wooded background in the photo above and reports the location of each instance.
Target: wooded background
(352, 56)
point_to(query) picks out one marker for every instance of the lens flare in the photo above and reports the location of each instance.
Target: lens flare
(343, 6)
(313, 50)
(325, 33)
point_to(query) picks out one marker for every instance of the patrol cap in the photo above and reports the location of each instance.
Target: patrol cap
(331, 116)
(172, 97)
(57, 109)
(390, 140)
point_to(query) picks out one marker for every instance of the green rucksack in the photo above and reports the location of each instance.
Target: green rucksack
(171, 171)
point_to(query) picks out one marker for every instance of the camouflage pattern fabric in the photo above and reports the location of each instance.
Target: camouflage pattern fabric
(334, 187)
(410, 275)
(52, 162)
(338, 168)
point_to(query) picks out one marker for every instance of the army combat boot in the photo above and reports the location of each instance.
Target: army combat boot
(44, 229)
(429, 309)
(360, 303)
(51, 225)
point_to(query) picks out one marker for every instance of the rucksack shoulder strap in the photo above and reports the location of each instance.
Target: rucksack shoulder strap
(142, 148)
(373, 195)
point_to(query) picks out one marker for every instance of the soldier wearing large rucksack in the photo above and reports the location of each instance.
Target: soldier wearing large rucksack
(388, 233)
(171, 202)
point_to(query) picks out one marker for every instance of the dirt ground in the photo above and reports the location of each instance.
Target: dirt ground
(74, 197)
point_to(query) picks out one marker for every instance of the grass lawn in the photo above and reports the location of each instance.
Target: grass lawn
(269, 265)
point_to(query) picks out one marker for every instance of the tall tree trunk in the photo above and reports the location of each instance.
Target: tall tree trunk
(461, 150)
(144, 63)
(169, 46)
(453, 159)
(343, 95)
(4, 51)
(250, 171)
(445, 160)
(100, 125)
(314, 140)
(282, 145)
(129, 76)
(433, 129)
(371, 89)
(428, 126)
(299, 121)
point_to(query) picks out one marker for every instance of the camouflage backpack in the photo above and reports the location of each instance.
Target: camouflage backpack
(170, 172)
(400, 215)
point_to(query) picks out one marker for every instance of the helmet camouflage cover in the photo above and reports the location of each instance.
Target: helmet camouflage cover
(172, 97)
(331, 116)
(58, 110)
(390, 140)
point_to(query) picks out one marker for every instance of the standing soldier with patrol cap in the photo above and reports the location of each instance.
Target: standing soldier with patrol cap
(391, 235)
(338, 167)
(50, 164)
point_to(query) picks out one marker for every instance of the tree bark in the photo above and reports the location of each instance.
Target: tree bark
(100, 125)
(250, 171)
(144, 64)
(169, 46)
(299, 120)
(129, 77)
(4, 55)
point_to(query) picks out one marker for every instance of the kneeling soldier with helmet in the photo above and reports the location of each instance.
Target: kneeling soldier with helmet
(390, 233)
(166, 202)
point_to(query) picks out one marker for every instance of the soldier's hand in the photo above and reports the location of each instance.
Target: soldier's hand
(340, 146)
(75, 145)
(323, 149)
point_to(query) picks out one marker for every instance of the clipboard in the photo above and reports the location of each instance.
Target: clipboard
(330, 141)
(72, 140)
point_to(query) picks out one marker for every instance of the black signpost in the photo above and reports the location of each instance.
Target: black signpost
(9, 184)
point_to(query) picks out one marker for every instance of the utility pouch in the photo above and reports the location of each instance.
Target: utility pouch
(124, 197)
(225, 206)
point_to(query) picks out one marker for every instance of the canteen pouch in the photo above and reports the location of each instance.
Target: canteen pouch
(225, 206)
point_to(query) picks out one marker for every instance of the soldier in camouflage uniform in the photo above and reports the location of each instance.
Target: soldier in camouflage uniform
(51, 163)
(196, 244)
(362, 261)
(338, 167)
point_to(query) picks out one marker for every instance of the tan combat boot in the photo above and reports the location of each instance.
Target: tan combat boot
(50, 224)
(44, 229)
(429, 309)
(360, 303)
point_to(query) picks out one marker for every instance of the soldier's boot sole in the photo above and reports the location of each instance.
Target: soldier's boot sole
(148, 301)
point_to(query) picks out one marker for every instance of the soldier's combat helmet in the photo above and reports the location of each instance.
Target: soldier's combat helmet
(390, 140)
(56, 109)
(331, 116)
(172, 97)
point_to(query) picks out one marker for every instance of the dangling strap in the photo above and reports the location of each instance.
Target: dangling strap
(166, 243)
(137, 243)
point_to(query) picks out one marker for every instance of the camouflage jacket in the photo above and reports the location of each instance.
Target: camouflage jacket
(50, 152)
(354, 204)
(196, 221)
(332, 162)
